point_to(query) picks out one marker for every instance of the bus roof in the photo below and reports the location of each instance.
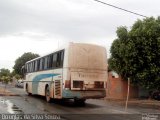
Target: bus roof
(45, 55)
(62, 48)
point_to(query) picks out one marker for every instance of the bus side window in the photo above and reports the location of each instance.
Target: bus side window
(62, 57)
(38, 64)
(29, 67)
(41, 63)
(50, 61)
(54, 60)
(33, 68)
(58, 59)
(25, 68)
(45, 62)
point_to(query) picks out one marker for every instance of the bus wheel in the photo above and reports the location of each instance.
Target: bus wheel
(27, 90)
(47, 94)
(79, 101)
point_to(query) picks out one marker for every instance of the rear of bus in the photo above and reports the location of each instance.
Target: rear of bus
(85, 72)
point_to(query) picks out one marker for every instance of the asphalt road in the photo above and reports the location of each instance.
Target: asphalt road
(94, 109)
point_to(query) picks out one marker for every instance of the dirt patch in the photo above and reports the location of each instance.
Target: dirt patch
(147, 103)
(5, 92)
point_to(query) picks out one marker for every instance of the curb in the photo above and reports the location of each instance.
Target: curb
(154, 104)
(9, 95)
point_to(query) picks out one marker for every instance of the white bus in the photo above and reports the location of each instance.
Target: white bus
(78, 71)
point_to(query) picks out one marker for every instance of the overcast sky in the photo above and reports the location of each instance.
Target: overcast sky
(40, 26)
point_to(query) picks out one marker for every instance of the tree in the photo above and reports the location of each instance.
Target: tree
(136, 53)
(22, 60)
(4, 72)
(5, 75)
(6, 79)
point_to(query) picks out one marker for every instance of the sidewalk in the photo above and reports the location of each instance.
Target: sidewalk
(5, 92)
(145, 103)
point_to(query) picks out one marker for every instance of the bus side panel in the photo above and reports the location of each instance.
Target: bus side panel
(42, 86)
(38, 82)
(52, 90)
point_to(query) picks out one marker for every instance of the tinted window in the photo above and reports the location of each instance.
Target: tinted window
(41, 63)
(33, 66)
(38, 64)
(30, 67)
(62, 57)
(45, 62)
(50, 61)
(54, 60)
(58, 59)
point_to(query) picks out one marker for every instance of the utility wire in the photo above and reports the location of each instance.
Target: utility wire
(120, 8)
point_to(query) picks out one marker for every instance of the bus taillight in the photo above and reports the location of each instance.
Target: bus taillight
(98, 84)
(67, 84)
(78, 84)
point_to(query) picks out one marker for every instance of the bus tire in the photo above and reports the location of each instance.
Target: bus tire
(47, 94)
(27, 90)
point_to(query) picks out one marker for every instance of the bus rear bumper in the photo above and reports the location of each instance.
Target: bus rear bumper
(84, 94)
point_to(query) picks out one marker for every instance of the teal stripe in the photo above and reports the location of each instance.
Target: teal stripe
(71, 94)
(38, 78)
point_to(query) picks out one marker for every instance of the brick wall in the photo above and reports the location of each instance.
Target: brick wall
(117, 87)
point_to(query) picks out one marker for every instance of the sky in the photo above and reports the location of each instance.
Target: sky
(41, 26)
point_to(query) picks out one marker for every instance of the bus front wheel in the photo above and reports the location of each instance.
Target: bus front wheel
(47, 94)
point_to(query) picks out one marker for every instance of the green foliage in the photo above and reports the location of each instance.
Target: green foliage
(13, 73)
(136, 53)
(4, 72)
(6, 79)
(17, 76)
(22, 60)
(5, 75)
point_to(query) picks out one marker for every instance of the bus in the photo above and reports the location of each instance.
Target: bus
(78, 71)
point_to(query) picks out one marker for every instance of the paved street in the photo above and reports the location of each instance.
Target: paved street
(21, 103)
